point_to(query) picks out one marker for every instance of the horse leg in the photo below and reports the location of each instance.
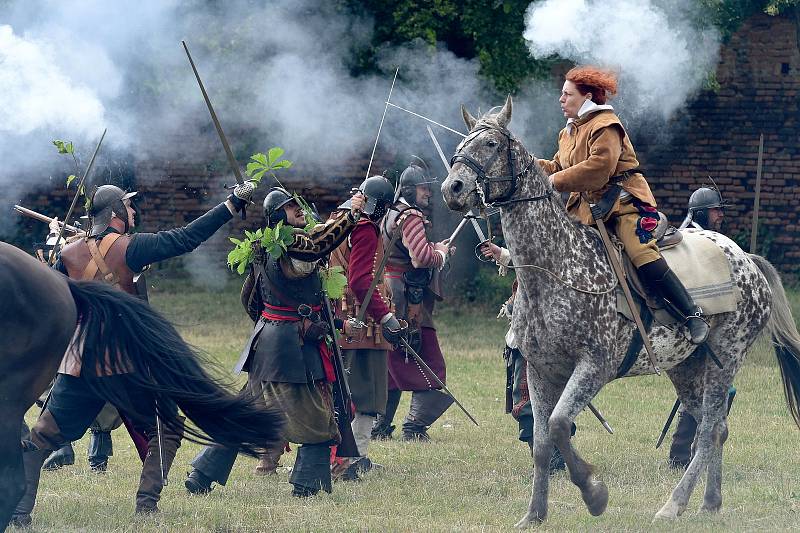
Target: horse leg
(715, 395)
(12, 473)
(582, 386)
(543, 398)
(712, 499)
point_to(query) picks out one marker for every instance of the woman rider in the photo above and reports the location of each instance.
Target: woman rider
(594, 153)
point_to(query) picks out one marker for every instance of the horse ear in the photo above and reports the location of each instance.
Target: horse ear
(469, 120)
(504, 116)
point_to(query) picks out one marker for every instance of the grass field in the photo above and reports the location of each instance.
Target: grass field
(471, 478)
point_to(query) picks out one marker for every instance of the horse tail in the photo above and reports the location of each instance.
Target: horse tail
(154, 358)
(785, 337)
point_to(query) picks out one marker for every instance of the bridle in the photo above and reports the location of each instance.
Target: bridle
(484, 181)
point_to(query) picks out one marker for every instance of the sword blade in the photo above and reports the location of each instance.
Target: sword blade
(228, 152)
(380, 127)
(445, 162)
(426, 118)
(478, 230)
(425, 366)
(456, 231)
(596, 412)
(668, 423)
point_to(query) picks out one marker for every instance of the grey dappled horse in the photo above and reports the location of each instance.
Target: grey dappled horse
(39, 311)
(567, 325)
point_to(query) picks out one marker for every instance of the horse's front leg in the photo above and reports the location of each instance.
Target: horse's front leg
(544, 396)
(586, 381)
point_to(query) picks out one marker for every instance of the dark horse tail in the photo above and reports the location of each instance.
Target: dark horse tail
(784, 336)
(154, 358)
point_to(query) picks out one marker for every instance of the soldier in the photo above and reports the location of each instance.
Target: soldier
(109, 252)
(286, 356)
(518, 399)
(705, 212)
(412, 273)
(365, 352)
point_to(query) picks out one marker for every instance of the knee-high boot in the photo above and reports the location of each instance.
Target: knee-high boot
(101, 448)
(312, 470)
(658, 276)
(43, 438)
(383, 428)
(426, 408)
(151, 482)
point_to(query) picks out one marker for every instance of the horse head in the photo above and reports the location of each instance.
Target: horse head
(487, 163)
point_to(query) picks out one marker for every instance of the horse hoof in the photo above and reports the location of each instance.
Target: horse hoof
(528, 520)
(711, 508)
(668, 512)
(596, 498)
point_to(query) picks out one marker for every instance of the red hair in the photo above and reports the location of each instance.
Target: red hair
(588, 79)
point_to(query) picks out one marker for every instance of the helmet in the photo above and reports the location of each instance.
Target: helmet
(415, 174)
(379, 195)
(105, 203)
(275, 200)
(701, 201)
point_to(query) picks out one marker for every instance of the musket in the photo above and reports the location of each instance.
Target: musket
(237, 172)
(668, 423)
(44, 218)
(380, 127)
(53, 254)
(430, 372)
(620, 273)
(341, 392)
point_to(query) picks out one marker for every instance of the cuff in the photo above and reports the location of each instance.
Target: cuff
(505, 257)
(386, 318)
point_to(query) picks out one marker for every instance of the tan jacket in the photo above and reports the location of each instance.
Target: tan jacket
(594, 149)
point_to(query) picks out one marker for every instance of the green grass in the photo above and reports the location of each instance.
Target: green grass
(471, 478)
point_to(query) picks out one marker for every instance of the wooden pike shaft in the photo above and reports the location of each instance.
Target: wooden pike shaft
(757, 204)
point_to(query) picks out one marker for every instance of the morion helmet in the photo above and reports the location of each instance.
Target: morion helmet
(379, 195)
(105, 203)
(701, 201)
(273, 204)
(417, 173)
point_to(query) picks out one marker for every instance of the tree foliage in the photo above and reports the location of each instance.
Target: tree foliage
(728, 15)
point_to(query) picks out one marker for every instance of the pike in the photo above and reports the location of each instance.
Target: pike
(620, 273)
(52, 258)
(380, 127)
(44, 218)
(237, 172)
(430, 372)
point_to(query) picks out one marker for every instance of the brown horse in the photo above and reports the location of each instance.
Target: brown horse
(39, 312)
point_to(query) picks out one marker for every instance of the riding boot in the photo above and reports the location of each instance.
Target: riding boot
(44, 437)
(658, 276)
(213, 463)
(100, 449)
(63, 456)
(269, 461)
(312, 470)
(426, 407)
(680, 451)
(383, 428)
(156, 464)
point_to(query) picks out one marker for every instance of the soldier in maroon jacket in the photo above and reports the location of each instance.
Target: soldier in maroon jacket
(412, 273)
(365, 348)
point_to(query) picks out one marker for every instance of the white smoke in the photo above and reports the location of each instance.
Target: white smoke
(661, 54)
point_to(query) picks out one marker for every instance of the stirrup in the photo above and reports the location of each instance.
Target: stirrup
(697, 315)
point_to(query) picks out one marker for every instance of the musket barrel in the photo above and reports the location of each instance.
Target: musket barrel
(43, 218)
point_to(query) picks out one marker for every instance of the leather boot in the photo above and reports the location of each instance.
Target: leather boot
(44, 437)
(198, 483)
(100, 449)
(151, 482)
(312, 470)
(426, 408)
(63, 456)
(680, 451)
(658, 276)
(383, 428)
(269, 462)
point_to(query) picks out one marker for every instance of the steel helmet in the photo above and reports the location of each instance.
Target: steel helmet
(105, 203)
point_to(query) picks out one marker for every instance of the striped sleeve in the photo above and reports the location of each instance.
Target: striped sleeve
(421, 250)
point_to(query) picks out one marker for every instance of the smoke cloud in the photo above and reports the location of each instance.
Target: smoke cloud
(662, 55)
